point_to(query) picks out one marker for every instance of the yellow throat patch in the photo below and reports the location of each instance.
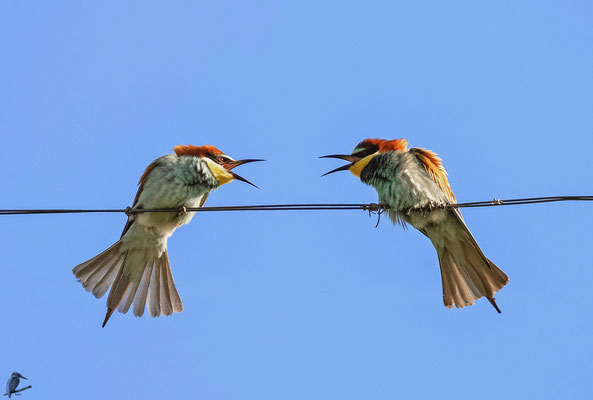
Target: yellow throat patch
(220, 173)
(356, 169)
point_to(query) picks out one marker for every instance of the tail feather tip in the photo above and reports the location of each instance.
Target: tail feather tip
(493, 302)
(107, 316)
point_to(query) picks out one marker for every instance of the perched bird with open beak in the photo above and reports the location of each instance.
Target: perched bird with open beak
(413, 183)
(13, 383)
(136, 267)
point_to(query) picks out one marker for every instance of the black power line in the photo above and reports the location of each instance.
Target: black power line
(301, 207)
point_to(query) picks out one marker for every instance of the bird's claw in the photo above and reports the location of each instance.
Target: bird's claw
(497, 202)
(379, 217)
(375, 208)
(372, 208)
(182, 210)
(128, 211)
(430, 207)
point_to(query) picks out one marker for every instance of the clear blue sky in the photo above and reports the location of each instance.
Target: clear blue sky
(318, 305)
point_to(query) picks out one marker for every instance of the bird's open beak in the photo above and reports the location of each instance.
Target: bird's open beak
(232, 164)
(352, 159)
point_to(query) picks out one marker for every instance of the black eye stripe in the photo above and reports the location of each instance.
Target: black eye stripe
(218, 159)
(365, 149)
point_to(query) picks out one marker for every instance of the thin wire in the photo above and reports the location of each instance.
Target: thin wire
(373, 207)
(527, 200)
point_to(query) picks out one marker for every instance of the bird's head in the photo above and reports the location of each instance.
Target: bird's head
(364, 152)
(219, 163)
(17, 375)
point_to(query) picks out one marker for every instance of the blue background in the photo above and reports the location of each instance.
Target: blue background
(295, 305)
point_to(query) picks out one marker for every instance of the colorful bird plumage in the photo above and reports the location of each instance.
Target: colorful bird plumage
(136, 268)
(414, 184)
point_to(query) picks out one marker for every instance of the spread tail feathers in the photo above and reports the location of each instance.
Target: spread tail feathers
(136, 276)
(467, 274)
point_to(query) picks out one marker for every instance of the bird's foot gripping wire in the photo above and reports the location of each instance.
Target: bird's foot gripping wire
(497, 202)
(182, 210)
(375, 208)
(129, 211)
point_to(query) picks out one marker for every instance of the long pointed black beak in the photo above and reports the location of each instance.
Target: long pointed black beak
(353, 160)
(232, 164)
(240, 178)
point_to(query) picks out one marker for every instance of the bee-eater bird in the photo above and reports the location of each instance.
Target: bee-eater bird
(136, 267)
(413, 183)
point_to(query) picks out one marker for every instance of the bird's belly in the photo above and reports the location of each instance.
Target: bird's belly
(408, 190)
(402, 198)
(170, 196)
(167, 222)
(426, 219)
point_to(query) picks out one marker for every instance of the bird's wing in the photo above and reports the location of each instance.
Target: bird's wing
(463, 228)
(203, 199)
(434, 167)
(11, 385)
(141, 183)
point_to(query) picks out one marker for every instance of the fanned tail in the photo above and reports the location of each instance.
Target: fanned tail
(467, 274)
(98, 274)
(137, 276)
(467, 277)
